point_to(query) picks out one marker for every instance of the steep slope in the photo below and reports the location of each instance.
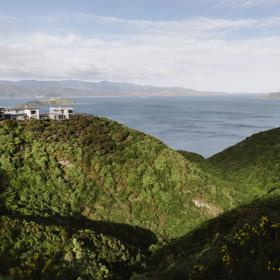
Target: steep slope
(231, 188)
(103, 171)
(241, 244)
(89, 198)
(254, 164)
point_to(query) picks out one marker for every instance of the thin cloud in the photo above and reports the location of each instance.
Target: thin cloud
(192, 24)
(194, 63)
(195, 53)
(248, 3)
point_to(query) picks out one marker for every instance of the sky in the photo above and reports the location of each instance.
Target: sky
(210, 45)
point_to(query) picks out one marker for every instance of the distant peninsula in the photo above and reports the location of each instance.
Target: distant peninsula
(49, 102)
(75, 88)
(274, 95)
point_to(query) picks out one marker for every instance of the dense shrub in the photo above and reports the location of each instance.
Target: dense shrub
(104, 171)
(241, 244)
(89, 198)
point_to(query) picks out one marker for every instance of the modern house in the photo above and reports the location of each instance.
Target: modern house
(32, 113)
(27, 113)
(61, 113)
(20, 114)
(2, 115)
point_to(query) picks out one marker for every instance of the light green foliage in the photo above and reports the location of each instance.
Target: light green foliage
(104, 171)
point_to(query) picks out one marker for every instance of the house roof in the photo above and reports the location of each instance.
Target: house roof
(61, 108)
(25, 108)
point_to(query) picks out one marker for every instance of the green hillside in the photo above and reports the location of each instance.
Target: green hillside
(240, 244)
(90, 198)
(101, 170)
(254, 164)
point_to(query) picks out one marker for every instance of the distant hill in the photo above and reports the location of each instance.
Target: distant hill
(48, 102)
(274, 95)
(253, 164)
(73, 88)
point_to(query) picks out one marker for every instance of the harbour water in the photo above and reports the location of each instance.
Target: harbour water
(205, 125)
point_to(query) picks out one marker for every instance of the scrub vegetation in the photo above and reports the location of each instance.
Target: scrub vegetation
(89, 198)
(239, 244)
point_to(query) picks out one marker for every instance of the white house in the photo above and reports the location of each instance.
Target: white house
(21, 114)
(32, 113)
(61, 113)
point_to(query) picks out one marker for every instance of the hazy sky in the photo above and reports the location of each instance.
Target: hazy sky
(218, 45)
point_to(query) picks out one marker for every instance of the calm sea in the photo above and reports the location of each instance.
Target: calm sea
(205, 125)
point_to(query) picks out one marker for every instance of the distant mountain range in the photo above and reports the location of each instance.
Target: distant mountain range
(74, 88)
(274, 95)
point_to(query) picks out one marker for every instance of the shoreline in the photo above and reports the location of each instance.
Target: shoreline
(133, 96)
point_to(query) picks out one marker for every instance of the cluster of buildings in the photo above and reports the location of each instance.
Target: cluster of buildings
(26, 113)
